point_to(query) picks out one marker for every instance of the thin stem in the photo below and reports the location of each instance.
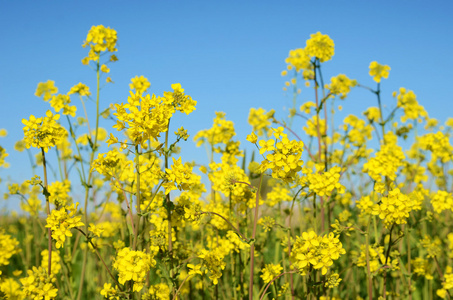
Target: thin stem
(137, 196)
(272, 281)
(168, 202)
(386, 260)
(368, 271)
(49, 231)
(252, 248)
(100, 257)
(90, 177)
(179, 288)
(128, 206)
(229, 223)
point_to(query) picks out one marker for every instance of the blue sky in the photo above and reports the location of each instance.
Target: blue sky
(227, 55)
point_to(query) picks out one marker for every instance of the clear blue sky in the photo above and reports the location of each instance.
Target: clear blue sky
(227, 55)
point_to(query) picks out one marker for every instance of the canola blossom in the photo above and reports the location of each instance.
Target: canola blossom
(297, 206)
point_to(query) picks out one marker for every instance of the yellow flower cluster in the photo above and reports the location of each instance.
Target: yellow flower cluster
(8, 247)
(378, 71)
(11, 289)
(311, 128)
(222, 132)
(324, 184)
(59, 192)
(235, 243)
(3, 155)
(112, 163)
(387, 161)
(80, 89)
(224, 175)
(316, 251)
(394, 208)
(60, 222)
(109, 292)
(213, 262)
(260, 120)
(139, 84)
(357, 131)
(279, 193)
(438, 144)
(298, 59)
(320, 46)
(376, 258)
(422, 268)
(133, 265)
(341, 85)
(332, 280)
(442, 200)
(160, 291)
(285, 157)
(447, 284)
(412, 110)
(46, 89)
(145, 117)
(55, 261)
(373, 114)
(179, 176)
(60, 101)
(365, 204)
(179, 100)
(307, 106)
(99, 39)
(43, 132)
(39, 285)
(270, 271)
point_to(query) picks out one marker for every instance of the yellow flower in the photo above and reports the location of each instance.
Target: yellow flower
(378, 71)
(320, 46)
(260, 120)
(133, 266)
(341, 85)
(99, 39)
(313, 250)
(43, 132)
(60, 222)
(8, 247)
(139, 84)
(297, 59)
(105, 69)
(252, 138)
(270, 271)
(80, 89)
(96, 230)
(47, 89)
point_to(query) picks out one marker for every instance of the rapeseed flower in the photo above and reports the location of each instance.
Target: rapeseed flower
(60, 222)
(43, 132)
(8, 247)
(320, 46)
(133, 266)
(39, 285)
(316, 251)
(270, 271)
(378, 71)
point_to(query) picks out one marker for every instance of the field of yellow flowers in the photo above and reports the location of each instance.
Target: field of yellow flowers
(322, 212)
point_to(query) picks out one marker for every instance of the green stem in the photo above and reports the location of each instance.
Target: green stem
(46, 194)
(137, 196)
(252, 247)
(90, 176)
(368, 271)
